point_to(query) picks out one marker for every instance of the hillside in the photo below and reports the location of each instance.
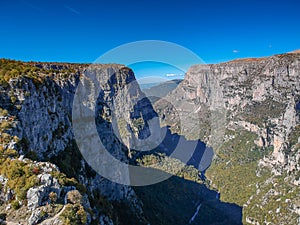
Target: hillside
(162, 89)
(46, 177)
(246, 110)
(249, 113)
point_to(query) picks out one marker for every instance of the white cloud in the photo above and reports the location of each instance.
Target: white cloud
(235, 51)
(170, 74)
(173, 75)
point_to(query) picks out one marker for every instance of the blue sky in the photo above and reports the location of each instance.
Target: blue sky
(81, 31)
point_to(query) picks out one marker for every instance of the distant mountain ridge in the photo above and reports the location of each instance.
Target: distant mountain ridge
(161, 89)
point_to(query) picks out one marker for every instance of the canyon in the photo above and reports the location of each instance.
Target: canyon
(246, 110)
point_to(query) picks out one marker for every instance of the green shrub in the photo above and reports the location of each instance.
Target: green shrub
(74, 197)
(10, 69)
(13, 99)
(69, 160)
(15, 205)
(259, 113)
(263, 206)
(53, 197)
(20, 176)
(5, 125)
(74, 214)
(170, 165)
(3, 112)
(43, 214)
(101, 203)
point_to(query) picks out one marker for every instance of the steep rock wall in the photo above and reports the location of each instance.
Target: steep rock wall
(41, 109)
(249, 113)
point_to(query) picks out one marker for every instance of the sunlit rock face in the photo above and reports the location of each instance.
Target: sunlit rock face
(42, 121)
(254, 99)
(259, 95)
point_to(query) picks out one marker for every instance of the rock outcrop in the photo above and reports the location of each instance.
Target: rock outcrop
(247, 110)
(254, 99)
(38, 111)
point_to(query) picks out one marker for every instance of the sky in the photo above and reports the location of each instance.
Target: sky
(81, 31)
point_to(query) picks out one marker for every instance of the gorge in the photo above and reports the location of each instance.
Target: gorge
(246, 110)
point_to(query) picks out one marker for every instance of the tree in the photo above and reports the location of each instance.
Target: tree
(74, 197)
(53, 197)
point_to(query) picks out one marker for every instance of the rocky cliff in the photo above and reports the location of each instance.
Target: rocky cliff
(249, 113)
(246, 110)
(36, 117)
(48, 143)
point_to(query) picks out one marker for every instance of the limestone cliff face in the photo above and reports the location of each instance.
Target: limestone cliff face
(41, 114)
(266, 93)
(260, 96)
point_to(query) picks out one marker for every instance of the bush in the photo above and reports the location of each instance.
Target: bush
(53, 197)
(20, 176)
(3, 112)
(74, 197)
(170, 165)
(74, 214)
(13, 99)
(15, 205)
(5, 125)
(10, 69)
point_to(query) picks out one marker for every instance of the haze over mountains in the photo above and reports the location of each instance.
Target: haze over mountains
(160, 89)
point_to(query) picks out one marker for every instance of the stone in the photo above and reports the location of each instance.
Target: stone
(34, 217)
(105, 220)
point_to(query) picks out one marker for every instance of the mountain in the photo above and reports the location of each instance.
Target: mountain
(42, 169)
(54, 171)
(247, 110)
(144, 86)
(59, 145)
(296, 51)
(161, 89)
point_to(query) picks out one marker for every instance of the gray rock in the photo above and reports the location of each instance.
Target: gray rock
(261, 96)
(34, 217)
(105, 220)
(37, 196)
